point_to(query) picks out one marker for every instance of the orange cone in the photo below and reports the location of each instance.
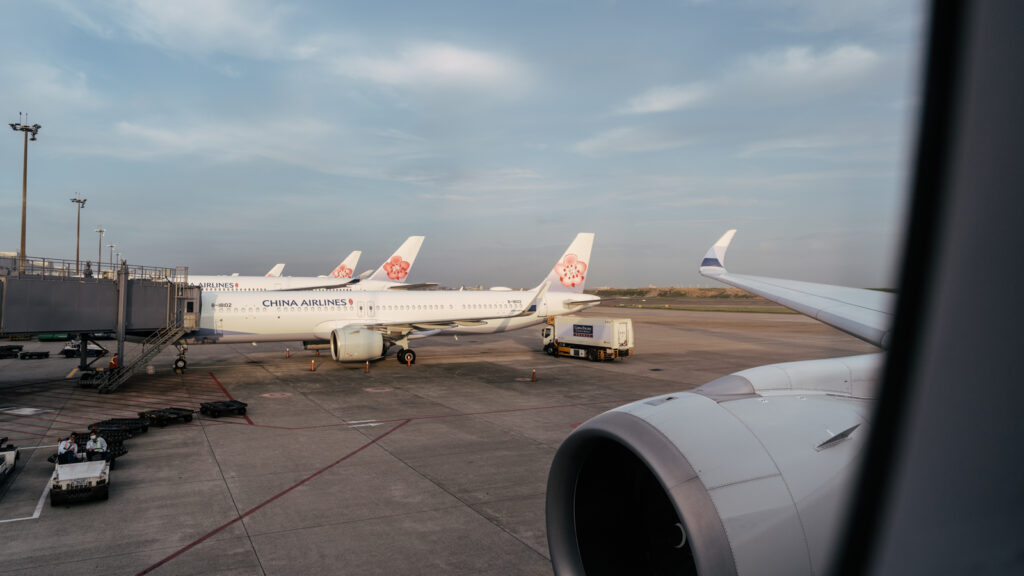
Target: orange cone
(287, 353)
(533, 377)
(312, 365)
(367, 366)
(408, 360)
(317, 353)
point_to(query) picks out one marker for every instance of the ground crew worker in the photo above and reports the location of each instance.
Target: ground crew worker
(96, 447)
(67, 450)
(113, 363)
(88, 269)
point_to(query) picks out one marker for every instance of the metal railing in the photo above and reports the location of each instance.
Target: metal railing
(61, 268)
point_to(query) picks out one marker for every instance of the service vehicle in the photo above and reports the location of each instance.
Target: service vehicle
(163, 416)
(73, 347)
(79, 481)
(9, 456)
(33, 354)
(593, 338)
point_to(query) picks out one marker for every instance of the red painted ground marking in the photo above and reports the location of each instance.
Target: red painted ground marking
(576, 425)
(249, 512)
(226, 393)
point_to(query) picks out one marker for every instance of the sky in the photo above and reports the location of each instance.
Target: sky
(230, 135)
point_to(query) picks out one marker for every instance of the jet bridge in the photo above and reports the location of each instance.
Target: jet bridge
(153, 304)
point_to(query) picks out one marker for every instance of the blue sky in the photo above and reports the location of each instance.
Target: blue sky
(231, 135)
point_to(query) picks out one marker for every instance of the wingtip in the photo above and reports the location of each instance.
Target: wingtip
(713, 263)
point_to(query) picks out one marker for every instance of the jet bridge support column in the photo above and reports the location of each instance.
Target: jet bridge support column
(122, 303)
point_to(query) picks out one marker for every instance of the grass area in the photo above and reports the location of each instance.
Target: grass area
(672, 292)
(725, 308)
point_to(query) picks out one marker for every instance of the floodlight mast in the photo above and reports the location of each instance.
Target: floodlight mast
(33, 130)
(78, 227)
(99, 251)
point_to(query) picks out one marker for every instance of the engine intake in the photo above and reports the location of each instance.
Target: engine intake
(356, 344)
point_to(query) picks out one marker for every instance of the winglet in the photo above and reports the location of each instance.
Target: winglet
(276, 270)
(570, 272)
(396, 268)
(530, 306)
(714, 261)
(347, 266)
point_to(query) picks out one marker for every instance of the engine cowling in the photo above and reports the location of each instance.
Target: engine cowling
(356, 344)
(748, 474)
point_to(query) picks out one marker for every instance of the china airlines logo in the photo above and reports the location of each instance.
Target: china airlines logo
(342, 271)
(397, 268)
(571, 271)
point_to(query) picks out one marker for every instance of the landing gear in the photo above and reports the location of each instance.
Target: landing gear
(180, 363)
(406, 356)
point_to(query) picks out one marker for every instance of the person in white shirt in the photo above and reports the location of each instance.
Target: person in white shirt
(67, 450)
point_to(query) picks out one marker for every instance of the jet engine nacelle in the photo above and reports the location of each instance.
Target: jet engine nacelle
(356, 344)
(748, 474)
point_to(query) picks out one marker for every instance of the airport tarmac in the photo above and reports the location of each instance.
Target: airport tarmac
(435, 468)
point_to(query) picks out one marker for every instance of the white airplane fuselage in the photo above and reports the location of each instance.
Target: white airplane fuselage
(311, 315)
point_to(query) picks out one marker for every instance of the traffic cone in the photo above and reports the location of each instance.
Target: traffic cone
(317, 353)
(367, 366)
(312, 365)
(533, 377)
(287, 353)
(408, 360)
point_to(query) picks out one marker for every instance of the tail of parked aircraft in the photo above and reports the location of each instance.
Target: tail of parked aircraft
(570, 272)
(347, 266)
(396, 268)
(276, 270)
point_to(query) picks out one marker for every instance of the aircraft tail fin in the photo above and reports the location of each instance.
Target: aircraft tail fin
(347, 266)
(570, 272)
(396, 268)
(276, 270)
(713, 263)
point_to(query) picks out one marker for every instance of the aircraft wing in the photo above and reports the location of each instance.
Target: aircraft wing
(327, 285)
(866, 314)
(418, 286)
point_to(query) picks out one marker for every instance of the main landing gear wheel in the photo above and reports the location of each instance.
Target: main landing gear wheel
(406, 356)
(180, 363)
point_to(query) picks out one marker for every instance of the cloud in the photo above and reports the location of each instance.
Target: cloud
(800, 68)
(46, 86)
(629, 140)
(789, 145)
(249, 28)
(435, 64)
(668, 98)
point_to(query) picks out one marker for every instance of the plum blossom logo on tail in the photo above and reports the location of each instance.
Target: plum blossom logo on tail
(397, 268)
(571, 271)
(342, 272)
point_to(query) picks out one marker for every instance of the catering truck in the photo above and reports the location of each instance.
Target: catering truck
(593, 338)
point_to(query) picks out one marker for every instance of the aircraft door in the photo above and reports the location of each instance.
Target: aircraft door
(361, 308)
(370, 310)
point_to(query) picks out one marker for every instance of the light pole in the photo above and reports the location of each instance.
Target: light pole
(33, 130)
(111, 246)
(99, 251)
(78, 226)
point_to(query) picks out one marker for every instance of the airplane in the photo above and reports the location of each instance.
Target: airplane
(747, 474)
(276, 270)
(360, 326)
(391, 274)
(346, 268)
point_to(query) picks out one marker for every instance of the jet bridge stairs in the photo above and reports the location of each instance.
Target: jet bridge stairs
(151, 346)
